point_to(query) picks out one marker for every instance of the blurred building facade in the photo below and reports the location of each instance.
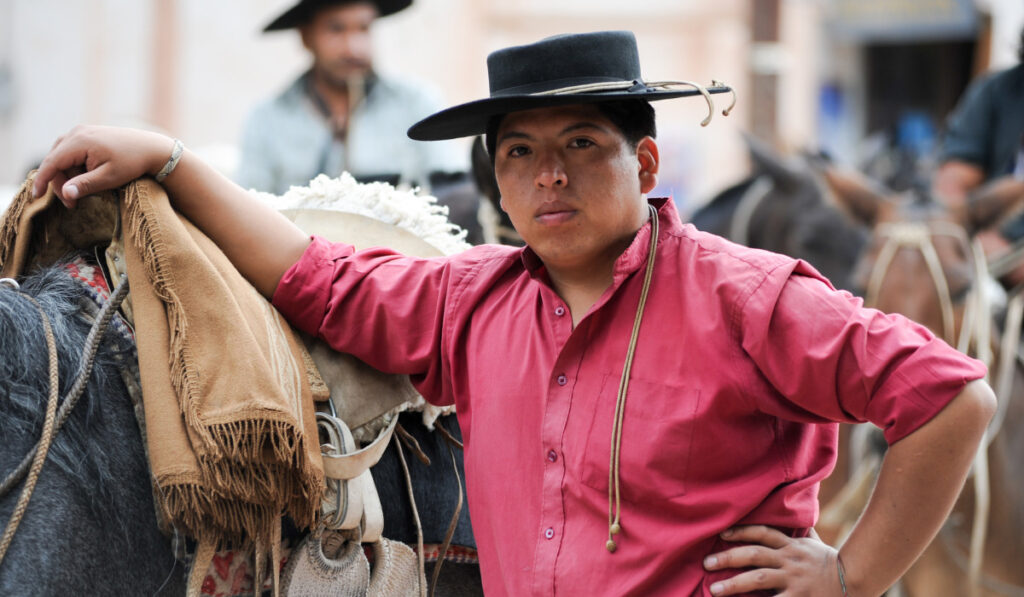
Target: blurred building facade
(809, 73)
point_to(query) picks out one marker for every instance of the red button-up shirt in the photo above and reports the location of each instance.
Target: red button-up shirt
(744, 362)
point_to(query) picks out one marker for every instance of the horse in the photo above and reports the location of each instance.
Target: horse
(784, 207)
(91, 521)
(921, 261)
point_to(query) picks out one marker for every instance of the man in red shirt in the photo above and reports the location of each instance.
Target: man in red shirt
(646, 409)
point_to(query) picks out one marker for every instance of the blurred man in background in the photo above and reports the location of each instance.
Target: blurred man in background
(984, 143)
(341, 115)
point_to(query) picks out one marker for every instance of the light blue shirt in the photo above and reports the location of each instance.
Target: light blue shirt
(288, 140)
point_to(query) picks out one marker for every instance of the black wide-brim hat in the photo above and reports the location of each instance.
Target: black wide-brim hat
(579, 68)
(303, 12)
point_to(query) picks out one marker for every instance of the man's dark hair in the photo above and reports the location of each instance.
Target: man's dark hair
(633, 117)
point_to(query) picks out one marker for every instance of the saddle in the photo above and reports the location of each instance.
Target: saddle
(361, 398)
(40, 232)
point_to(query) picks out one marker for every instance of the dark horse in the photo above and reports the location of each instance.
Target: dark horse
(783, 206)
(90, 525)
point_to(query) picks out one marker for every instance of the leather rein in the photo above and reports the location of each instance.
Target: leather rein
(975, 332)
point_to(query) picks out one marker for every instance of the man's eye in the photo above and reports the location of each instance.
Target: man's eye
(580, 143)
(518, 151)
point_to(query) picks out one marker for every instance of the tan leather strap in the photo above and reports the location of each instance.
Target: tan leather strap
(356, 502)
(372, 522)
(347, 508)
(205, 550)
(351, 465)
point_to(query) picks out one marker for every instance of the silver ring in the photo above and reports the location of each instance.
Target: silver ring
(11, 282)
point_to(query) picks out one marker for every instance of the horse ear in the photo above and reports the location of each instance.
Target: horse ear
(995, 202)
(858, 196)
(785, 173)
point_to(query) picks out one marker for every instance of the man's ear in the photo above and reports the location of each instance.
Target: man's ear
(647, 160)
(304, 33)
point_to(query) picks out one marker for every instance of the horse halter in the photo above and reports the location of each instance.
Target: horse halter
(918, 235)
(974, 328)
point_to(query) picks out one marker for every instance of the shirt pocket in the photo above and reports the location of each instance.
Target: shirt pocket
(658, 430)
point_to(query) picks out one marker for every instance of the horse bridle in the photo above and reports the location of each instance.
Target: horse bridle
(974, 330)
(918, 235)
(32, 463)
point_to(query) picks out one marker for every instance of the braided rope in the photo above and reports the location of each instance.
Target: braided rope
(44, 442)
(614, 494)
(33, 461)
(92, 342)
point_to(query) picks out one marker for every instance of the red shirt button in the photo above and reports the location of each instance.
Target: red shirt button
(552, 456)
(562, 380)
(549, 532)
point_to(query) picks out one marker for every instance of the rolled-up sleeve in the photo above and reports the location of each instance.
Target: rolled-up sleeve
(827, 355)
(385, 308)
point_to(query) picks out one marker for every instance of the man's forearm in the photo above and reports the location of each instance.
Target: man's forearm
(260, 242)
(919, 481)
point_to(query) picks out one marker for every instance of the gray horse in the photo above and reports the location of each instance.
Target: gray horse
(90, 525)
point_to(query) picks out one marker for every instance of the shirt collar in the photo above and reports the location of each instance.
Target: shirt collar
(306, 83)
(635, 255)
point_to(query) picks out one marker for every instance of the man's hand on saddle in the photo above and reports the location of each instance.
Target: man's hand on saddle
(91, 159)
(774, 561)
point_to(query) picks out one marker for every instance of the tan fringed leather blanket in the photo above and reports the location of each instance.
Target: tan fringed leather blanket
(228, 388)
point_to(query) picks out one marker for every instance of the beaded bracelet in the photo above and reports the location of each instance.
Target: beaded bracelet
(172, 162)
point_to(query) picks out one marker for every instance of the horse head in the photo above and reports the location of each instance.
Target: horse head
(782, 206)
(924, 261)
(918, 261)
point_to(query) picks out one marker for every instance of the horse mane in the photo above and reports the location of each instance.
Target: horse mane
(79, 449)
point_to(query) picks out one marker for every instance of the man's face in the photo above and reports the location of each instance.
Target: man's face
(339, 39)
(572, 185)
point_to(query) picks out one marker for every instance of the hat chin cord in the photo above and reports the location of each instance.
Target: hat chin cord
(659, 85)
(614, 502)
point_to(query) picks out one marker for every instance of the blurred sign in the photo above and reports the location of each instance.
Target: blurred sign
(902, 20)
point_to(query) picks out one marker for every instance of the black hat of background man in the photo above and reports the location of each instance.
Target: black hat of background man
(518, 73)
(303, 12)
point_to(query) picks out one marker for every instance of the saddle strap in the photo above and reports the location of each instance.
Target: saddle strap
(342, 504)
(351, 465)
(351, 500)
